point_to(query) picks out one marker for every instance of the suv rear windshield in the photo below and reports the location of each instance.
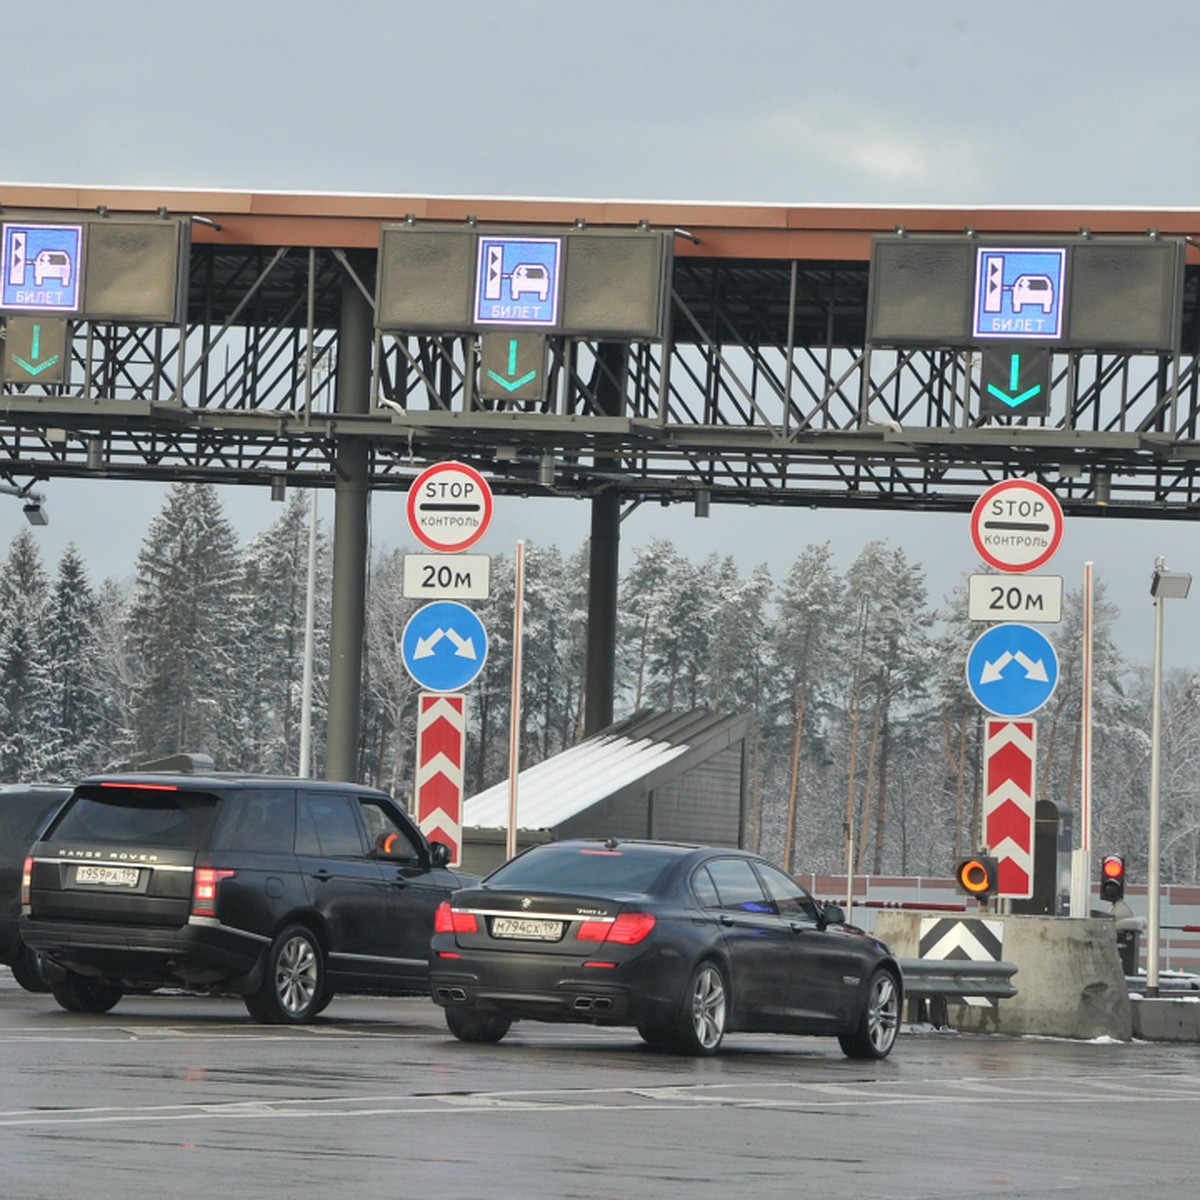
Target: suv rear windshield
(138, 816)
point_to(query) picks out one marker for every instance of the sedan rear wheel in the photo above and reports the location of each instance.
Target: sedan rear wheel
(701, 1023)
(292, 986)
(470, 1026)
(878, 1023)
(653, 1034)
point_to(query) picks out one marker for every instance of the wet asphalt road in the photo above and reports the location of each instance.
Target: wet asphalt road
(181, 1097)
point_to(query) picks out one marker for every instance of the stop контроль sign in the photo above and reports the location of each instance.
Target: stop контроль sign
(1017, 525)
(449, 506)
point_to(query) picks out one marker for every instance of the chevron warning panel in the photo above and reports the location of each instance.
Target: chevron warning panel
(441, 739)
(973, 939)
(1010, 756)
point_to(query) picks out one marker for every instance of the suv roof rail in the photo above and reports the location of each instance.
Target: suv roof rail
(180, 762)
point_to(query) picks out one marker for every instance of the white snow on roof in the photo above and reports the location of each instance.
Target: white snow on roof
(563, 786)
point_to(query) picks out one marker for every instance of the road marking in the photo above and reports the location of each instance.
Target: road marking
(1028, 1092)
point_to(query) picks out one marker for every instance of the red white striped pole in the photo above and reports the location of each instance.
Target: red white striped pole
(1081, 866)
(514, 732)
(1085, 791)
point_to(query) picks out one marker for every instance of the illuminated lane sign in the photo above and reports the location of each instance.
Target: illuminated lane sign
(1019, 293)
(518, 280)
(512, 367)
(1015, 381)
(41, 267)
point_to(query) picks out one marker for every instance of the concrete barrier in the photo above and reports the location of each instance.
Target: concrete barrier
(1070, 983)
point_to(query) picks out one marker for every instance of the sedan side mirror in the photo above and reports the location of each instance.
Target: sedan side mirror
(439, 854)
(834, 914)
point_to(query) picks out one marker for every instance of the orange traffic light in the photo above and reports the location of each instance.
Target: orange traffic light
(976, 876)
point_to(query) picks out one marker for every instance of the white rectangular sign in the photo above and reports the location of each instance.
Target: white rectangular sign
(447, 576)
(1029, 598)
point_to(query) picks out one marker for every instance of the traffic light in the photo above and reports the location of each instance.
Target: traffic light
(976, 876)
(1112, 877)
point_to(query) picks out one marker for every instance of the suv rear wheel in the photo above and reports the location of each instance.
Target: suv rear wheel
(292, 987)
(27, 970)
(78, 993)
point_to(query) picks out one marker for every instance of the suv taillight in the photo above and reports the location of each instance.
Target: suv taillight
(204, 890)
(27, 881)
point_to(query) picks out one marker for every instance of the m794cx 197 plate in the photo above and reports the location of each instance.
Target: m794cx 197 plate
(526, 929)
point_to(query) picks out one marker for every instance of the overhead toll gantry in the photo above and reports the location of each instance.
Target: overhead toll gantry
(620, 351)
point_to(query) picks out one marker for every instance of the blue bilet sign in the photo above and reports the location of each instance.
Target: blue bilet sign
(517, 281)
(41, 267)
(1019, 293)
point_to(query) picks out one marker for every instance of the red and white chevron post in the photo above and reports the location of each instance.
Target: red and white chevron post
(441, 751)
(1010, 757)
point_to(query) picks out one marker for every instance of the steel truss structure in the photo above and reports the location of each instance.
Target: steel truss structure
(764, 393)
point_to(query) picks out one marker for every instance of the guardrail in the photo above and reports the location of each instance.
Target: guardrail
(929, 984)
(1168, 981)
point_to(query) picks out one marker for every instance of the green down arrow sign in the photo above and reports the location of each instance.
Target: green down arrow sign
(35, 349)
(1015, 381)
(512, 367)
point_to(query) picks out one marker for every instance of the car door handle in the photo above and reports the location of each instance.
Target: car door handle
(726, 919)
(323, 875)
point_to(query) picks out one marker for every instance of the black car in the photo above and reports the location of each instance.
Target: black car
(684, 942)
(283, 891)
(24, 811)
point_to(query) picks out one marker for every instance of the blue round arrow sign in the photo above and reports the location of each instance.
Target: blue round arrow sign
(445, 646)
(1012, 670)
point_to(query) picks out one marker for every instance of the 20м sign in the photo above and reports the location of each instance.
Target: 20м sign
(1016, 525)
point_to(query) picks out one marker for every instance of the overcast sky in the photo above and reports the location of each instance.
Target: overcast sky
(1061, 102)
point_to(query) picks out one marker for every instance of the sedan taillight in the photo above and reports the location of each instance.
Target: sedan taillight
(204, 890)
(453, 920)
(627, 930)
(27, 881)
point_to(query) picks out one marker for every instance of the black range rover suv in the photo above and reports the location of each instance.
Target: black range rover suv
(282, 891)
(25, 810)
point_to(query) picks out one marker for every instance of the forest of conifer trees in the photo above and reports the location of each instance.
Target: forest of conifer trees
(855, 681)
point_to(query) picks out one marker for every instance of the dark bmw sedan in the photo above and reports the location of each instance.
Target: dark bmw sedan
(685, 943)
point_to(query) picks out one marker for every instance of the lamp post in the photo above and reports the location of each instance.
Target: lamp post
(1164, 585)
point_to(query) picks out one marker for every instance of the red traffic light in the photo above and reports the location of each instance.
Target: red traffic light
(1112, 877)
(976, 876)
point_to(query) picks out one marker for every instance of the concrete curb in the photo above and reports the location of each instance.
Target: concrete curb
(1166, 1018)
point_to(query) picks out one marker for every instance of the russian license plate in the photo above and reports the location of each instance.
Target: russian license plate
(107, 876)
(526, 929)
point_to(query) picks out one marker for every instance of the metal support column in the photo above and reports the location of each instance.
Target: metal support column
(347, 618)
(600, 673)
(603, 575)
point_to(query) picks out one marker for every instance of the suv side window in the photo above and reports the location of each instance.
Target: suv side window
(329, 826)
(258, 821)
(386, 835)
